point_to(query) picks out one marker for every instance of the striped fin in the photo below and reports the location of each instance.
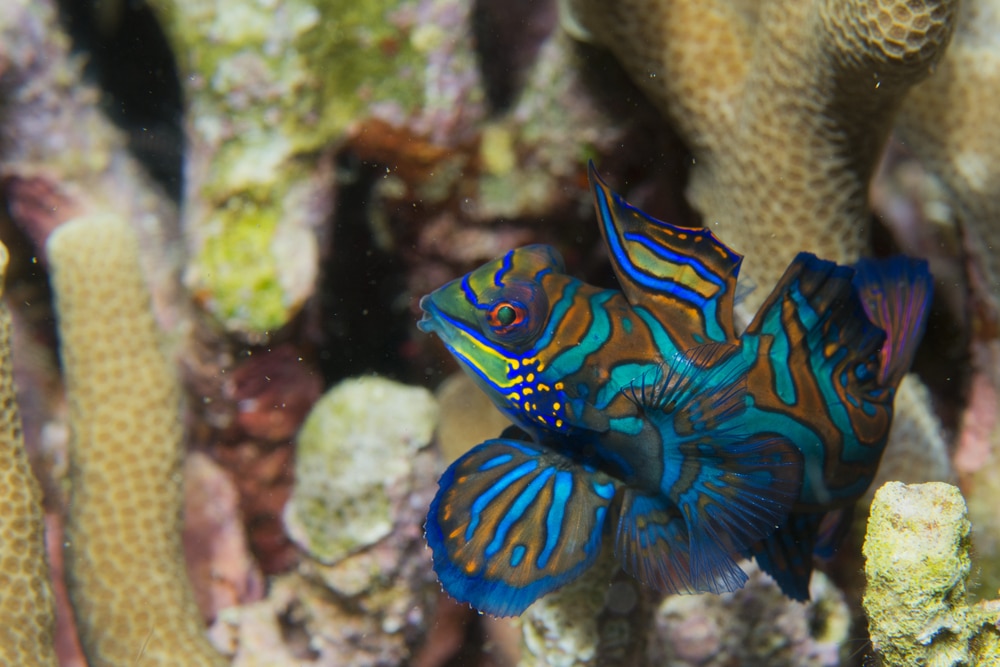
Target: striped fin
(684, 277)
(514, 520)
(731, 487)
(895, 293)
(815, 359)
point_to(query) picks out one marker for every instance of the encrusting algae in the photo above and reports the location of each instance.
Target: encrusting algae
(26, 609)
(918, 568)
(126, 570)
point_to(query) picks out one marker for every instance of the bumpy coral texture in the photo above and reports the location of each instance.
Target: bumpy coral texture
(917, 567)
(26, 609)
(785, 105)
(126, 570)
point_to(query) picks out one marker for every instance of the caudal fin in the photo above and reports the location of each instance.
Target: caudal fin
(895, 293)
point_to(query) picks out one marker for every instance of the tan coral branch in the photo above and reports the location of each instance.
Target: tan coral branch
(27, 615)
(125, 566)
(785, 114)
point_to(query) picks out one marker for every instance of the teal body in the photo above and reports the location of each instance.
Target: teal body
(643, 417)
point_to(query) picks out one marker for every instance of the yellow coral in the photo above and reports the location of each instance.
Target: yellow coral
(917, 566)
(26, 609)
(126, 570)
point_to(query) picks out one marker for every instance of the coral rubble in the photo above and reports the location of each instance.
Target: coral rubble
(125, 565)
(364, 591)
(27, 615)
(918, 568)
(756, 625)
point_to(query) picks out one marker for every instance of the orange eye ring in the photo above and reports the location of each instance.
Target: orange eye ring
(506, 316)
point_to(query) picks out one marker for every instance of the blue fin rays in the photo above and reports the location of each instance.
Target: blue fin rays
(731, 488)
(512, 521)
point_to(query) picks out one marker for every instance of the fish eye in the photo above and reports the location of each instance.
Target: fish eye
(505, 316)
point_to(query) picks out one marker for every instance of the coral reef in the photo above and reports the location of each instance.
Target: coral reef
(61, 157)
(27, 615)
(755, 625)
(918, 568)
(948, 123)
(125, 566)
(364, 589)
(332, 147)
(266, 108)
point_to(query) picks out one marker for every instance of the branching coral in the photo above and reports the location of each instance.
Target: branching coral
(125, 565)
(26, 610)
(785, 105)
(918, 567)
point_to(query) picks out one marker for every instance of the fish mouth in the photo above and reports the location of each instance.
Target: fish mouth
(428, 321)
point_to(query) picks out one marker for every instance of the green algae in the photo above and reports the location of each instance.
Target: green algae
(272, 87)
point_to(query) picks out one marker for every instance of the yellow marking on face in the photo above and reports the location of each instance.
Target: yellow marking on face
(559, 386)
(515, 364)
(531, 377)
(556, 406)
(528, 391)
(542, 387)
(559, 423)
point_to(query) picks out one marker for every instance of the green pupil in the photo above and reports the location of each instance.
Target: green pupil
(506, 316)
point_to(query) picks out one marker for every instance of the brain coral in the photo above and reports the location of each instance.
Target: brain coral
(125, 566)
(26, 611)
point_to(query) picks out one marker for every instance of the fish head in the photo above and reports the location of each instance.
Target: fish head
(497, 322)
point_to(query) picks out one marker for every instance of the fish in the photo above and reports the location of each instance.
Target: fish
(644, 423)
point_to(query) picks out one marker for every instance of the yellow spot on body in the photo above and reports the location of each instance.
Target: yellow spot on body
(470, 567)
(556, 406)
(559, 386)
(682, 237)
(514, 396)
(531, 377)
(559, 423)
(528, 391)
(543, 387)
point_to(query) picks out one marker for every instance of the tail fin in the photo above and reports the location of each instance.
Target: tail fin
(895, 293)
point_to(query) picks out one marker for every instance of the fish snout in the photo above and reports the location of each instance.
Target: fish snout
(426, 323)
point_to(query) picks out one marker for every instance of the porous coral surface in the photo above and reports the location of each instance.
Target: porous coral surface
(125, 566)
(27, 615)
(785, 104)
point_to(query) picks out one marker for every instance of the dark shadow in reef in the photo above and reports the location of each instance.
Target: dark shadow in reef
(129, 59)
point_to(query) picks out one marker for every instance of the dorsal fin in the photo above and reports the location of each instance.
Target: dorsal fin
(685, 277)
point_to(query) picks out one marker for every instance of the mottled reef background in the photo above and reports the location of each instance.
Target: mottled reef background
(220, 215)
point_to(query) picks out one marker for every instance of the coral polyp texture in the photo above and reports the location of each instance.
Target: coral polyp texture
(126, 570)
(785, 105)
(918, 567)
(27, 615)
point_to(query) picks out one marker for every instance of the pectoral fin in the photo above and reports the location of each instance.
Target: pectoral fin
(514, 520)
